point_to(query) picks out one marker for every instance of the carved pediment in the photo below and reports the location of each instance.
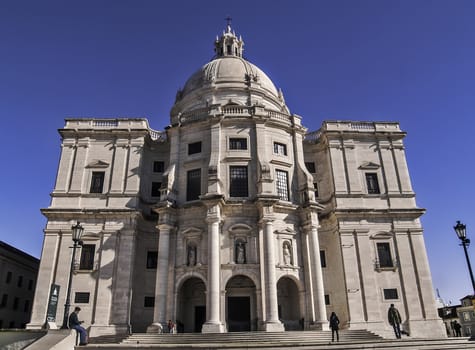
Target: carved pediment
(97, 164)
(369, 166)
(192, 232)
(240, 230)
(382, 235)
(285, 232)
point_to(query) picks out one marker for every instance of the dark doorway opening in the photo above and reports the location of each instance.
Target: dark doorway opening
(200, 318)
(239, 314)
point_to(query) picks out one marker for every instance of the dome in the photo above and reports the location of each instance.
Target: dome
(228, 79)
(229, 70)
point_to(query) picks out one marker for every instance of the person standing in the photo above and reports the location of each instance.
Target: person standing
(171, 326)
(457, 328)
(394, 319)
(334, 325)
(75, 324)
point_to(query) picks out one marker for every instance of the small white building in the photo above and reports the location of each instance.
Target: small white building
(235, 217)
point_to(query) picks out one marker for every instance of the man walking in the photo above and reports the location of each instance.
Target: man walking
(394, 319)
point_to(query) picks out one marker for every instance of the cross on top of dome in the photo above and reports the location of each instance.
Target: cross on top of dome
(229, 44)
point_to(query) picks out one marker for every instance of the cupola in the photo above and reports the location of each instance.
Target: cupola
(229, 44)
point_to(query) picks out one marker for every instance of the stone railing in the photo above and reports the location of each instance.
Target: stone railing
(105, 123)
(194, 115)
(235, 111)
(362, 126)
(160, 136)
(279, 116)
(313, 137)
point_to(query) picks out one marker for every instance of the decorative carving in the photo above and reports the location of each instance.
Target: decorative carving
(240, 252)
(191, 255)
(287, 252)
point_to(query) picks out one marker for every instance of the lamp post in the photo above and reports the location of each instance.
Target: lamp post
(461, 231)
(76, 236)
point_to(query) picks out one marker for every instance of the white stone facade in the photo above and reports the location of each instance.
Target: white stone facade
(216, 224)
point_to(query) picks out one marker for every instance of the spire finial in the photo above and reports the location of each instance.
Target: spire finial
(228, 26)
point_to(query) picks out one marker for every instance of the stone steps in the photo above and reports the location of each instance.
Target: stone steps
(298, 340)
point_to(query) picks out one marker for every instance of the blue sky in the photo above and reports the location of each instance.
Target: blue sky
(406, 61)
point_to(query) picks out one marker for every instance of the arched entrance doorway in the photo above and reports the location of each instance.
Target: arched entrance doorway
(241, 304)
(289, 306)
(191, 312)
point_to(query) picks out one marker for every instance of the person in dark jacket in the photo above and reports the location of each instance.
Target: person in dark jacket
(457, 327)
(394, 319)
(334, 326)
(75, 324)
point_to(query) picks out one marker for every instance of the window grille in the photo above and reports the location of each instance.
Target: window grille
(193, 185)
(372, 183)
(282, 185)
(87, 257)
(238, 143)
(97, 181)
(238, 181)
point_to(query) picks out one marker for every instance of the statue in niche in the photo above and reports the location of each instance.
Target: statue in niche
(191, 255)
(240, 253)
(287, 254)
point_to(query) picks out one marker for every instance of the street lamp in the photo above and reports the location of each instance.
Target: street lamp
(77, 233)
(461, 231)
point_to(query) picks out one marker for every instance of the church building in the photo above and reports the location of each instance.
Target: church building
(235, 217)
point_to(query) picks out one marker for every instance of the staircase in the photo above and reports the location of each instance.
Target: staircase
(299, 340)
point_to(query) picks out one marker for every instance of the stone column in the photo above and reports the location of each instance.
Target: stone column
(103, 302)
(68, 151)
(272, 315)
(77, 179)
(213, 323)
(318, 289)
(161, 281)
(48, 262)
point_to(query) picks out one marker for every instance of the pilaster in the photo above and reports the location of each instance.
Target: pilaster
(272, 322)
(213, 323)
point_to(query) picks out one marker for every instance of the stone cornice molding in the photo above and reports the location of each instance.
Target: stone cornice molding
(412, 214)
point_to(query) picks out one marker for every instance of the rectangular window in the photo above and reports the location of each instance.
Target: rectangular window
(81, 297)
(282, 185)
(194, 148)
(158, 166)
(87, 257)
(97, 181)
(9, 277)
(372, 183)
(280, 148)
(238, 182)
(4, 300)
(193, 185)
(20, 281)
(315, 186)
(238, 143)
(15, 303)
(26, 306)
(156, 189)
(310, 167)
(323, 258)
(327, 299)
(390, 294)
(30, 284)
(152, 258)
(384, 255)
(149, 301)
